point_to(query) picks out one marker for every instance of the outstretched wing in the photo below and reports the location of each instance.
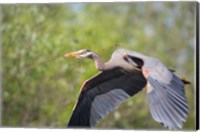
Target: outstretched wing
(166, 97)
(102, 94)
(165, 91)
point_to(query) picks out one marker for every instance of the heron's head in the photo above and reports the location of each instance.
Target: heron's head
(84, 53)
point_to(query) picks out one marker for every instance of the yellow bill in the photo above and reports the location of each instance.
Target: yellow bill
(73, 54)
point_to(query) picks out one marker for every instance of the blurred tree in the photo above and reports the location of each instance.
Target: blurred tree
(37, 94)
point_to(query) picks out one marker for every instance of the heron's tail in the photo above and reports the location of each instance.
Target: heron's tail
(185, 81)
(182, 78)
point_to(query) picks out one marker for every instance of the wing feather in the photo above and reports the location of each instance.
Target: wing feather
(104, 93)
(105, 103)
(167, 102)
(165, 91)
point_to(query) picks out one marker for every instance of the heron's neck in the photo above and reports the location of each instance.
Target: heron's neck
(100, 65)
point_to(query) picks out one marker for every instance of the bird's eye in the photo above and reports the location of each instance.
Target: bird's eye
(83, 52)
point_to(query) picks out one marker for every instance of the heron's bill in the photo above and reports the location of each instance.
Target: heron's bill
(68, 55)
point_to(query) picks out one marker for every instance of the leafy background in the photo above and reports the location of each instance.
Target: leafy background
(40, 86)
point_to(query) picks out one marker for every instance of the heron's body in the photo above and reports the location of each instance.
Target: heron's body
(124, 75)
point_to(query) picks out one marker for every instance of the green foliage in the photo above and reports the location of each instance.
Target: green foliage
(40, 86)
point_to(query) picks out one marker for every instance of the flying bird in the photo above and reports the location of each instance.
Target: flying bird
(124, 75)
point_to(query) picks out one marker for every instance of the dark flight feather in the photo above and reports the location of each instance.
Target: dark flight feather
(98, 87)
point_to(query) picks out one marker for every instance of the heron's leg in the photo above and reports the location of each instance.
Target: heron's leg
(145, 72)
(148, 88)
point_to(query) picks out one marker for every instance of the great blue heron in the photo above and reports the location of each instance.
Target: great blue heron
(125, 74)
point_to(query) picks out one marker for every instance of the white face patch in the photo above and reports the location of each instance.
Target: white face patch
(84, 54)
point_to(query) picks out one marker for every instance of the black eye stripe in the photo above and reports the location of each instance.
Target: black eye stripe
(87, 50)
(83, 52)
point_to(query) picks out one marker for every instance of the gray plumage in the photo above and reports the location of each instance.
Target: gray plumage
(105, 103)
(125, 74)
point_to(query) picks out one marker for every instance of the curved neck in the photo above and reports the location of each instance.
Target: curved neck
(99, 63)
